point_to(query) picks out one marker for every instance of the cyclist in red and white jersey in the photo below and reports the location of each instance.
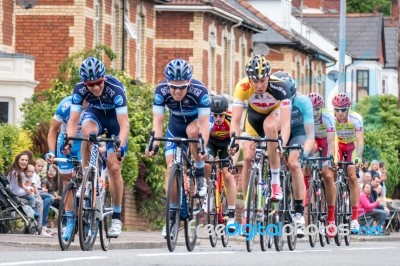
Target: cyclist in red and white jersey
(324, 128)
(350, 138)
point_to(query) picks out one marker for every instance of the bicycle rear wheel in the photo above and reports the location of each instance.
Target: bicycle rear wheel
(172, 207)
(251, 218)
(105, 240)
(65, 217)
(312, 212)
(193, 204)
(338, 212)
(212, 216)
(323, 214)
(87, 222)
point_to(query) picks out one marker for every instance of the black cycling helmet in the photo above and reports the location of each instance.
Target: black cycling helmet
(258, 67)
(289, 81)
(219, 104)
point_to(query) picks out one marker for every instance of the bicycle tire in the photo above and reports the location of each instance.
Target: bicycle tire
(87, 223)
(265, 236)
(323, 214)
(224, 210)
(193, 204)
(338, 212)
(277, 218)
(212, 212)
(347, 217)
(312, 211)
(69, 191)
(104, 226)
(288, 199)
(172, 215)
(251, 204)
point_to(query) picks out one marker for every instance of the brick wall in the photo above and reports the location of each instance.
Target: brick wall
(130, 215)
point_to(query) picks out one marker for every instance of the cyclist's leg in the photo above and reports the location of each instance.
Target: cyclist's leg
(211, 151)
(271, 126)
(353, 183)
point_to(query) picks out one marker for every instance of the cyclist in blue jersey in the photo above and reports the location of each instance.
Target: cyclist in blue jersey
(302, 133)
(106, 109)
(59, 123)
(189, 105)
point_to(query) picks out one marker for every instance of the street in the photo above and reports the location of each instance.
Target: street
(367, 253)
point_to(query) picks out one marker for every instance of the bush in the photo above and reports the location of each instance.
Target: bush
(13, 140)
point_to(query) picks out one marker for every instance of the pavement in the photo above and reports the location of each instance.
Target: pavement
(139, 240)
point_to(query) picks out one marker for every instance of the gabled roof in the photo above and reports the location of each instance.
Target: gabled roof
(364, 32)
(275, 35)
(391, 46)
(229, 6)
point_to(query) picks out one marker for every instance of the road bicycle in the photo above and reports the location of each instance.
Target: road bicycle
(95, 204)
(317, 209)
(285, 208)
(183, 203)
(217, 203)
(343, 205)
(257, 202)
(69, 201)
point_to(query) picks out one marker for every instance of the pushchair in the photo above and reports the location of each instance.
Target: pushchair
(13, 208)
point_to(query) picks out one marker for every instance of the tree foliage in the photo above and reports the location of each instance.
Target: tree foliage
(369, 6)
(382, 134)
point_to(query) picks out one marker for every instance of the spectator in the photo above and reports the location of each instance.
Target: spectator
(374, 168)
(50, 184)
(363, 169)
(367, 178)
(369, 208)
(46, 197)
(383, 173)
(17, 179)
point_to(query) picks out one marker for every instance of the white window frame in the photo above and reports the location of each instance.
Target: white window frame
(10, 102)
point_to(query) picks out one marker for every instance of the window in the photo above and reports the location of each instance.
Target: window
(363, 79)
(225, 67)
(4, 111)
(213, 41)
(383, 86)
(139, 46)
(212, 72)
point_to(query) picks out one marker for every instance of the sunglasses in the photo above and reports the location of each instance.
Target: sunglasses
(343, 110)
(178, 87)
(317, 109)
(95, 83)
(216, 115)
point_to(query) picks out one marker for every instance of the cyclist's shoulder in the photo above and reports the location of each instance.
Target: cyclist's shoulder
(243, 87)
(64, 105)
(278, 88)
(197, 88)
(355, 115)
(112, 83)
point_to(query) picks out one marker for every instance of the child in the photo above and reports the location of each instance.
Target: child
(50, 184)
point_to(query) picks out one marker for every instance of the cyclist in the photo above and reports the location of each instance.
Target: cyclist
(350, 138)
(59, 122)
(220, 121)
(302, 133)
(268, 112)
(324, 128)
(107, 108)
(189, 104)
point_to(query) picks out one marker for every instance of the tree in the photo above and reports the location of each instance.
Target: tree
(382, 134)
(369, 6)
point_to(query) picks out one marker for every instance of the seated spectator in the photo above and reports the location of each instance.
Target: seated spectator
(374, 168)
(46, 197)
(16, 176)
(383, 174)
(369, 208)
(50, 184)
(367, 178)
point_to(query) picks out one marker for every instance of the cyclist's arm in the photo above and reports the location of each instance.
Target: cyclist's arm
(52, 136)
(158, 122)
(123, 122)
(310, 139)
(237, 111)
(204, 123)
(285, 124)
(72, 127)
(330, 138)
(359, 144)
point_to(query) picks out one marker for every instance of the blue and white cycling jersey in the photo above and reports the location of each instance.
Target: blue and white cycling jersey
(113, 97)
(302, 113)
(62, 115)
(195, 103)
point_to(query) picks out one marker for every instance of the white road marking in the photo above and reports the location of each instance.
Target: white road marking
(375, 248)
(184, 254)
(52, 261)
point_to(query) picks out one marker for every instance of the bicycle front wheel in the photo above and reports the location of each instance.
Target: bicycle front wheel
(347, 216)
(338, 212)
(67, 216)
(312, 212)
(323, 214)
(224, 210)
(87, 223)
(193, 205)
(251, 218)
(172, 207)
(212, 215)
(104, 225)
